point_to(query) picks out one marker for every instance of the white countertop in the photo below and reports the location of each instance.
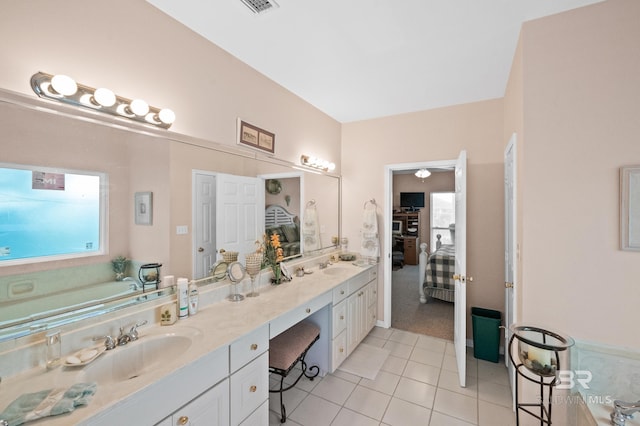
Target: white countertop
(219, 323)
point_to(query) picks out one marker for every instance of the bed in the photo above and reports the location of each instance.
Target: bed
(279, 221)
(436, 273)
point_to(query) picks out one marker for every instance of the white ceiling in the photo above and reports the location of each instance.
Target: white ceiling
(356, 59)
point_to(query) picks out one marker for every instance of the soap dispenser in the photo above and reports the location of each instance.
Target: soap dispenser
(183, 298)
(193, 298)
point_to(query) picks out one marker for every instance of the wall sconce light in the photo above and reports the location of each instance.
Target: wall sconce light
(65, 89)
(317, 163)
(423, 174)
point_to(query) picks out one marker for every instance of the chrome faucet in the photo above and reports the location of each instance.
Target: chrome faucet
(109, 343)
(623, 411)
(131, 336)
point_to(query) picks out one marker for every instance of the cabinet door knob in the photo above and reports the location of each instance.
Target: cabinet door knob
(308, 310)
(254, 347)
(341, 350)
(183, 420)
(341, 292)
(253, 388)
(341, 317)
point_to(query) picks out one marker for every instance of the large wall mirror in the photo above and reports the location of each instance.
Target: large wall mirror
(42, 138)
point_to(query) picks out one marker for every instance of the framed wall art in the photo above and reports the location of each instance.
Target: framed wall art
(255, 137)
(143, 208)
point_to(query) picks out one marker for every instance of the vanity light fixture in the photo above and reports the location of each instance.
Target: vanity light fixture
(317, 163)
(423, 173)
(65, 89)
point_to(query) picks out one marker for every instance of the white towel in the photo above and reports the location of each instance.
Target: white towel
(311, 229)
(370, 247)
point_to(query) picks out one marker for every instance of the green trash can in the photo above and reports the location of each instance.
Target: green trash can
(486, 333)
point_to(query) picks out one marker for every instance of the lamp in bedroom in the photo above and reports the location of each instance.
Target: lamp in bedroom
(423, 174)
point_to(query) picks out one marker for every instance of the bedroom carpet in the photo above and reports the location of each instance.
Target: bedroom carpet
(435, 318)
(365, 361)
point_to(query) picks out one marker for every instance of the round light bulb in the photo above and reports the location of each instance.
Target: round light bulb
(332, 167)
(104, 97)
(64, 85)
(139, 107)
(166, 116)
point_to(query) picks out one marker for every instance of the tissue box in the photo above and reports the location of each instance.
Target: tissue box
(168, 314)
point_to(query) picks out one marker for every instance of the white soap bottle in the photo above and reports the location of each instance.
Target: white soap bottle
(193, 298)
(183, 298)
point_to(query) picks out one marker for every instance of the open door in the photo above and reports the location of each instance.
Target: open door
(204, 227)
(460, 277)
(510, 249)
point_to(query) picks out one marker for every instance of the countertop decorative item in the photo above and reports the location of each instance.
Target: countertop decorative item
(120, 265)
(273, 255)
(274, 186)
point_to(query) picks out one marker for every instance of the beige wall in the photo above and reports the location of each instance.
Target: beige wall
(432, 135)
(137, 51)
(579, 85)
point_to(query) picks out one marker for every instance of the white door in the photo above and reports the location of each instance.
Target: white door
(509, 248)
(460, 315)
(239, 213)
(204, 223)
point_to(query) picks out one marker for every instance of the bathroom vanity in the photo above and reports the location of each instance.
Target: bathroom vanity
(211, 368)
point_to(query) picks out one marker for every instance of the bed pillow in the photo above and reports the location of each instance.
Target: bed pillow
(291, 232)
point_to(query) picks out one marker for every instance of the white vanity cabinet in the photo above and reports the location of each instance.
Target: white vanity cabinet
(209, 409)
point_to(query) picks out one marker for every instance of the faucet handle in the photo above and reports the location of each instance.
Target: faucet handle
(133, 333)
(109, 343)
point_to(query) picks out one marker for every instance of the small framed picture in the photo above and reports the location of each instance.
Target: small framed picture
(255, 137)
(143, 208)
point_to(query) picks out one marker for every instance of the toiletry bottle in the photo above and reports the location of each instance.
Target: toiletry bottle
(183, 298)
(193, 298)
(54, 349)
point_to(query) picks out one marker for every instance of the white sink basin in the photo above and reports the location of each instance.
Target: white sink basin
(337, 271)
(139, 358)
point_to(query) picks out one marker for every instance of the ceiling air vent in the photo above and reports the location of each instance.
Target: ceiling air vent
(260, 6)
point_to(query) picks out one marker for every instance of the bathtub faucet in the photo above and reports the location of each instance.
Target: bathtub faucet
(623, 411)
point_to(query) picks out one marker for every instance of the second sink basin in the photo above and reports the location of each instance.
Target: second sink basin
(139, 357)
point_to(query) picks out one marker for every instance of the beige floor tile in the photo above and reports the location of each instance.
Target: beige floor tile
(422, 372)
(439, 419)
(449, 363)
(347, 417)
(384, 382)
(368, 402)
(472, 368)
(274, 420)
(404, 337)
(394, 365)
(450, 349)
(314, 411)
(291, 398)
(426, 356)
(374, 341)
(347, 376)
(456, 405)
(494, 393)
(398, 349)
(382, 333)
(449, 381)
(495, 415)
(431, 343)
(334, 389)
(494, 372)
(415, 392)
(402, 413)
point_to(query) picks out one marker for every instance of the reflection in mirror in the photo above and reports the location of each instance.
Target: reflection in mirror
(135, 160)
(283, 198)
(50, 212)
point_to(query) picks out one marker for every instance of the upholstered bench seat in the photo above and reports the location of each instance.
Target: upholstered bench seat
(286, 350)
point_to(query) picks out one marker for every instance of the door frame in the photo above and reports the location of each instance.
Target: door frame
(388, 217)
(511, 233)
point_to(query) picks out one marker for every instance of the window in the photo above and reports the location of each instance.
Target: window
(50, 213)
(443, 215)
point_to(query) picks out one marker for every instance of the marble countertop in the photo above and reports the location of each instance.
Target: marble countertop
(219, 323)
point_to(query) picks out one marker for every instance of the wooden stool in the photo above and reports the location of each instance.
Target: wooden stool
(286, 349)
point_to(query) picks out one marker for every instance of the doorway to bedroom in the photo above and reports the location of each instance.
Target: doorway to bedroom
(413, 226)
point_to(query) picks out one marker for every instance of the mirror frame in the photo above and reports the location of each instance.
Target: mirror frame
(41, 323)
(630, 208)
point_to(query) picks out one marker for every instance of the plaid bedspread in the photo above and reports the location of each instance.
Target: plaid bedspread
(438, 282)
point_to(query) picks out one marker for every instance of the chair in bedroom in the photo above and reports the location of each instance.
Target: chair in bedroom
(397, 253)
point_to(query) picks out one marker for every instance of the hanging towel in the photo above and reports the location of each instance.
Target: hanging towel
(311, 228)
(370, 244)
(50, 402)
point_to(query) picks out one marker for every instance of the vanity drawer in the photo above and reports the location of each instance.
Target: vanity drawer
(339, 350)
(249, 347)
(249, 388)
(340, 292)
(357, 282)
(296, 315)
(339, 318)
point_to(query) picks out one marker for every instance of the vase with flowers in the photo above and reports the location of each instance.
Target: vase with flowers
(273, 255)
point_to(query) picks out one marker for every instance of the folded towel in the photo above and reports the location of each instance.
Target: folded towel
(50, 402)
(311, 229)
(370, 247)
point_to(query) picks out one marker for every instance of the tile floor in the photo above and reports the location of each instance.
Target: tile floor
(418, 385)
